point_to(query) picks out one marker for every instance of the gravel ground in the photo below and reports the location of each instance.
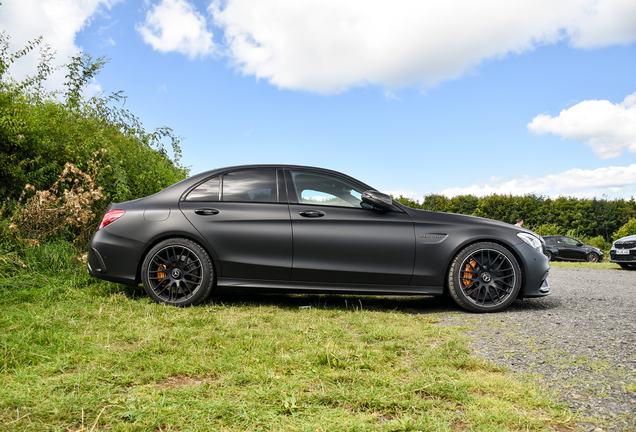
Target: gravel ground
(579, 343)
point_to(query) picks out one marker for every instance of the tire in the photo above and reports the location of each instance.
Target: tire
(592, 257)
(484, 277)
(178, 272)
(549, 255)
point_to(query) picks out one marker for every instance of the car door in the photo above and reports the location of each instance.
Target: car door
(339, 239)
(245, 219)
(572, 249)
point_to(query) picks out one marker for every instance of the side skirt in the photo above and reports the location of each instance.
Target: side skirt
(329, 288)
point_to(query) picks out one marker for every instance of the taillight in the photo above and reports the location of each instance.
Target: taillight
(109, 217)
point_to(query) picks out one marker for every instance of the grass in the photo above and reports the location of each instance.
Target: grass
(606, 265)
(79, 354)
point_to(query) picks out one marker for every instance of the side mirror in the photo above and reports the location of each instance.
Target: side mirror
(377, 199)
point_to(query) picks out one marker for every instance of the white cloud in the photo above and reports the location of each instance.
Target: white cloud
(611, 181)
(606, 127)
(175, 25)
(332, 45)
(57, 21)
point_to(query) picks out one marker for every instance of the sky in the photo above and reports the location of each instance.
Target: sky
(412, 97)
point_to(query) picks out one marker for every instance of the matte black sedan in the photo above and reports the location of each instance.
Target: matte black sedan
(560, 247)
(296, 228)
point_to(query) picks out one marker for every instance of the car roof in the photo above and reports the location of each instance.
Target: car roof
(176, 190)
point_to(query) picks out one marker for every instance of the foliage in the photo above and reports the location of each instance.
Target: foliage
(40, 132)
(65, 208)
(626, 230)
(549, 229)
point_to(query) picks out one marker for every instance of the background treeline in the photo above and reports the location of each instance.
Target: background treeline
(65, 155)
(595, 221)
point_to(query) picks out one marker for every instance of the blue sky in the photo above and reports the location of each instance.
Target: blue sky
(411, 97)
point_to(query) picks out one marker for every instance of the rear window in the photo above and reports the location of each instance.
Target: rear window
(206, 191)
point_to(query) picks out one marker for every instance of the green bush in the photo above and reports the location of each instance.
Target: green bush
(41, 132)
(48, 137)
(626, 230)
(549, 229)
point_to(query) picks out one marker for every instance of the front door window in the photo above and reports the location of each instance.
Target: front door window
(322, 189)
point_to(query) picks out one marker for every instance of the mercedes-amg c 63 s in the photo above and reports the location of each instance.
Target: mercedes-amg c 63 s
(296, 228)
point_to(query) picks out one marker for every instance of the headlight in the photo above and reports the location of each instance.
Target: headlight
(531, 240)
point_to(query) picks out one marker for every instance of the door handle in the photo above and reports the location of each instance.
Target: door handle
(206, 211)
(312, 213)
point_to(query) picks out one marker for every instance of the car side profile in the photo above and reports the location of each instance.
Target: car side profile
(296, 228)
(566, 248)
(623, 252)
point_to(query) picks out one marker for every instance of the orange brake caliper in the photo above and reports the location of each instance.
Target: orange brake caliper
(162, 275)
(467, 276)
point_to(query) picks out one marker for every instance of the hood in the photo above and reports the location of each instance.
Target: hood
(626, 239)
(456, 218)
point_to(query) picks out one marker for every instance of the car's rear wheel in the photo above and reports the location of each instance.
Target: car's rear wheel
(549, 255)
(177, 272)
(484, 277)
(592, 257)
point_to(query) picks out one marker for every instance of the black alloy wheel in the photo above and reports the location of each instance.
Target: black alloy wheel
(549, 255)
(484, 277)
(592, 257)
(177, 272)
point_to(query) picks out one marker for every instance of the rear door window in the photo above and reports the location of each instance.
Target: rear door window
(250, 186)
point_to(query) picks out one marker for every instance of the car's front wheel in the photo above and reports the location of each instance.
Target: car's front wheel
(484, 277)
(549, 255)
(178, 272)
(592, 257)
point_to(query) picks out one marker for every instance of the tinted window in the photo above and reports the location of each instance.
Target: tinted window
(322, 189)
(250, 186)
(207, 191)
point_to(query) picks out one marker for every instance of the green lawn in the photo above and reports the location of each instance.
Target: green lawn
(83, 355)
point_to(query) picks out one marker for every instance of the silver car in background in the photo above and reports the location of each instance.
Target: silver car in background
(623, 252)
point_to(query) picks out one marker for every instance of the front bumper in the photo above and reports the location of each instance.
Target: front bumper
(537, 268)
(623, 258)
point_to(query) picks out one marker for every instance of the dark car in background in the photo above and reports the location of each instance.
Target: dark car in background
(623, 252)
(560, 247)
(294, 228)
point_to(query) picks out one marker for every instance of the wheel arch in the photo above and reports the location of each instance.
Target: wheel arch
(183, 235)
(499, 242)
